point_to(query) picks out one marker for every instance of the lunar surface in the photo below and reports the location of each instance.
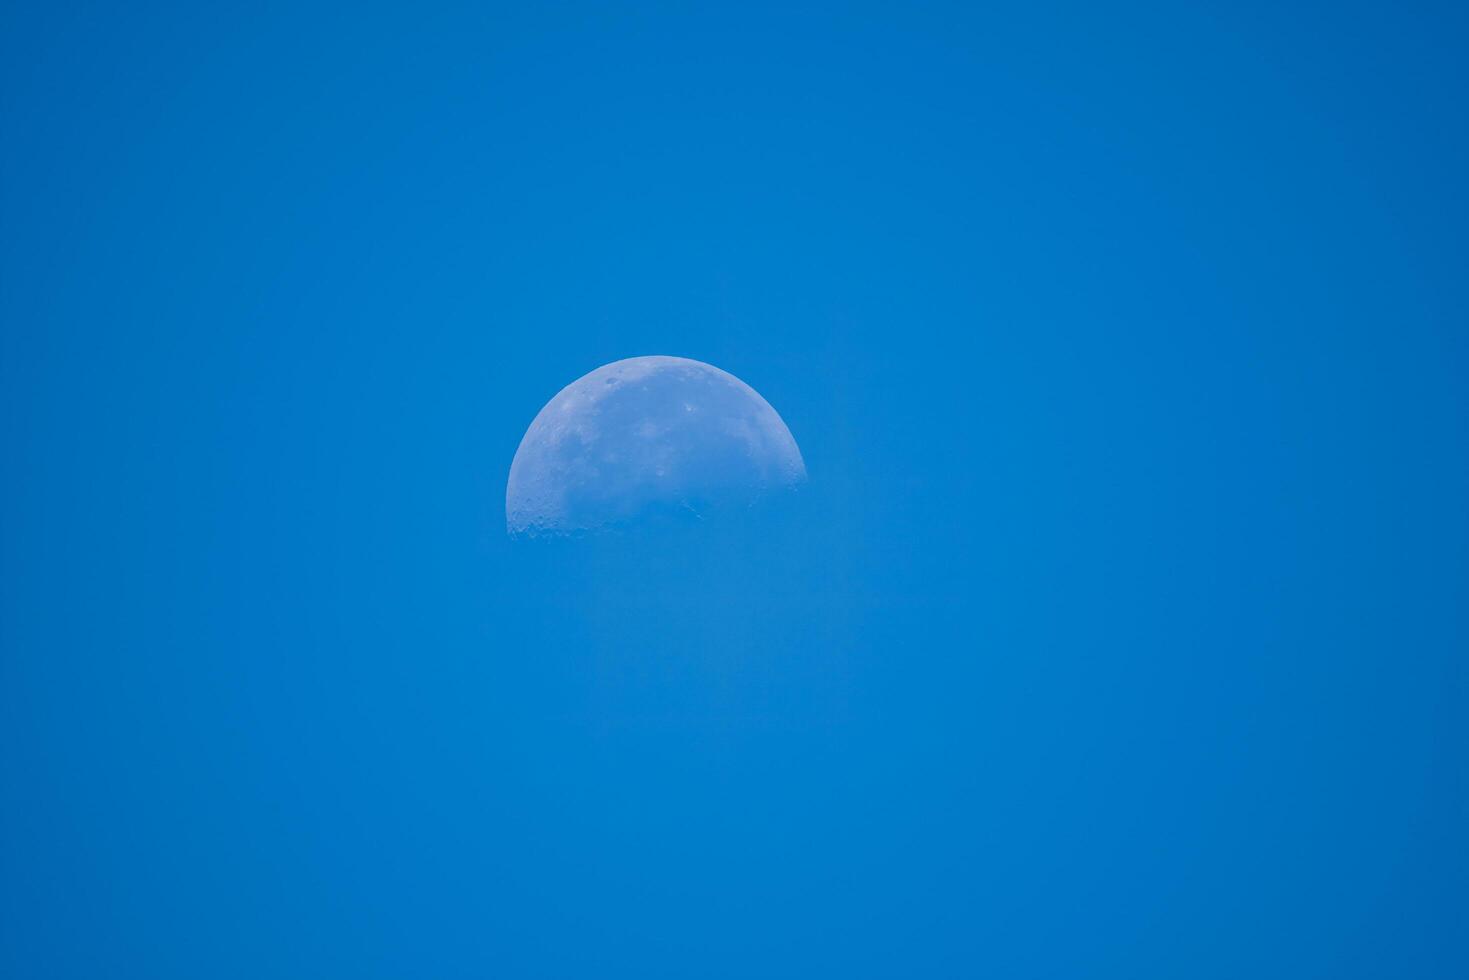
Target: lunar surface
(644, 436)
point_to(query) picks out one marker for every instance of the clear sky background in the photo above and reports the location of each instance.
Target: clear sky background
(1120, 633)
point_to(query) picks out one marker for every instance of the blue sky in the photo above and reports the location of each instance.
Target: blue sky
(1120, 631)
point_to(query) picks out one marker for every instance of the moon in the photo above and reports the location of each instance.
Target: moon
(647, 435)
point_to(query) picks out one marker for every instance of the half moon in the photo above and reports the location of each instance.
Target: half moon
(643, 436)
